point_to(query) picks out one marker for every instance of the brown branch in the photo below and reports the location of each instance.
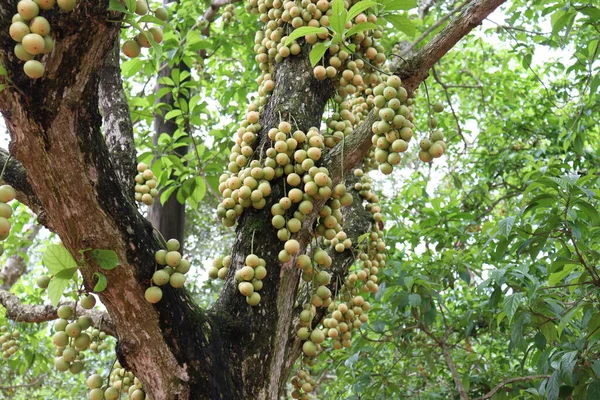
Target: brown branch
(508, 382)
(452, 367)
(35, 382)
(117, 121)
(19, 312)
(414, 70)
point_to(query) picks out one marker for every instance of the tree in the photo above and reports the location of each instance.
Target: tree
(73, 164)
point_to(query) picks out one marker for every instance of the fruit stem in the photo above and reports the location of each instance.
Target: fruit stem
(252, 243)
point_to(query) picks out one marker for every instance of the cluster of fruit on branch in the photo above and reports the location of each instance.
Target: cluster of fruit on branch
(32, 32)
(133, 47)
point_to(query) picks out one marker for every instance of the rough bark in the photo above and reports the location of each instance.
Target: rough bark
(73, 179)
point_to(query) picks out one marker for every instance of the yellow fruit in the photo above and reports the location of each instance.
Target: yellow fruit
(33, 43)
(131, 48)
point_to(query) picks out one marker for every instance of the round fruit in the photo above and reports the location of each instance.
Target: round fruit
(112, 393)
(18, 30)
(184, 266)
(48, 45)
(43, 282)
(33, 43)
(34, 69)
(173, 258)
(153, 294)
(157, 34)
(84, 322)
(177, 280)
(65, 312)
(40, 25)
(28, 9)
(94, 381)
(88, 302)
(138, 395)
(73, 329)
(67, 5)
(60, 364)
(46, 4)
(161, 13)
(131, 48)
(246, 288)
(60, 339)
(21, 53)
(160, 277)
(82, 341)
(76, 367)
(438, 107)
(141, 7)
(97, 394)
(309, 348)
(142, 39)
(159, 256)
(173, 245)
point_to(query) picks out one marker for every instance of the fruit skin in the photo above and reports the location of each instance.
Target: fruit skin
(33, 43)
(43, 282)
(161, 13)
(4, 225)
(18, 30)
(153, 294)
(65, 312)
(46, 4)
(34, 69)
(21, 53)
(28, 9)
(40, 25)
(7, 193)
(88, 302)
(48, 45)
(131, 48)
(157, 34)
(67, 5)
(141, 7)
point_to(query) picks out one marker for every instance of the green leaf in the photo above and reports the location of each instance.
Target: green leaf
(564, 321)
(394, 5)
(593, 391)
(317, 52)
(402, 23)
(130, 5)
(414, 299)
(66, 273)
(164, 196)
(303, 31)
(553, 386)
(365, 26)
(106, 259)
(173, 113)
(505, 226)
(101, 284)
(511, 304)
(154, 20)
(540, 341)
(116, 5)
(57, 287)
(57, 257)
(337, 20)
(360, 7)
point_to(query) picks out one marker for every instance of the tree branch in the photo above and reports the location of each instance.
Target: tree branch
(414, 70)
(15, 265)
(492, 392)
(118, 128)
(20, 312)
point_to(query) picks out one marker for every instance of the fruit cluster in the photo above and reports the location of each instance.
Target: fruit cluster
(173, 273)
(9, 341)
(32, 32)
(145, 185)
(229, 13)
(7, 194)
(120, 381)
(303, 384)
(71, 340)
(250, 277)
(220, 268)
(133, 47)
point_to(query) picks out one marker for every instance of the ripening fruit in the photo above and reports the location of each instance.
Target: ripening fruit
(138, 395)
(33, 43)
(153, 294)
(46, 4)
(94, 381)
(173, 245)
(7, 193)
(173, 258)
(21, 53)
(4, 226)
(177, 280)
(97, 394)
(160, 277)
(40, 25)
(246, 288)
(309, 348)
(73, 329)
(157, 34)
(18, 30)
(34, 69)
(88, 302)
(48, 45)
(67, 5)
(28, 9)
(438, 107)
(320, 72)
(161, 13)
(60, 339)
(65, 312)
(42, 282)
(131, 48)
(142, 39)
(141, 7)
(60, 364)
(253, 299)
(112, 393)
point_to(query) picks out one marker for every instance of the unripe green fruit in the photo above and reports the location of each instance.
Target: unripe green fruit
(173, 245)
(184, 266)
(112, 393)
(60, 325)
(153, 294)
(309, 348)
(76, 367)
(131, 48)
(436, 150)
(60, 364)
(177, 280)
(260, 272)
(438, 107)
(82, 341)
(73, 329)
(42, 282)
(18, 30)
(213, 273)
(22, 54)
(88, 302)
(97, 394)
(46, 4)
(252, 260)
(157, 34)
(65, 312)
(160, 257)
(173, 258)
(253, 299)
(48, 45)
(84, 322)
(34, 69)
(138, 395)
(28, 9)
(142, 39)
(161, 13)
(40, 25)
(141, 7)
(18, 18)
(69, 354)
(303, 333)
(94, 381)
(160, 277)
(67, 5)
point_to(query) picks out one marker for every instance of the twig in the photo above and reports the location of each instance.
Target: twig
(499, 386)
